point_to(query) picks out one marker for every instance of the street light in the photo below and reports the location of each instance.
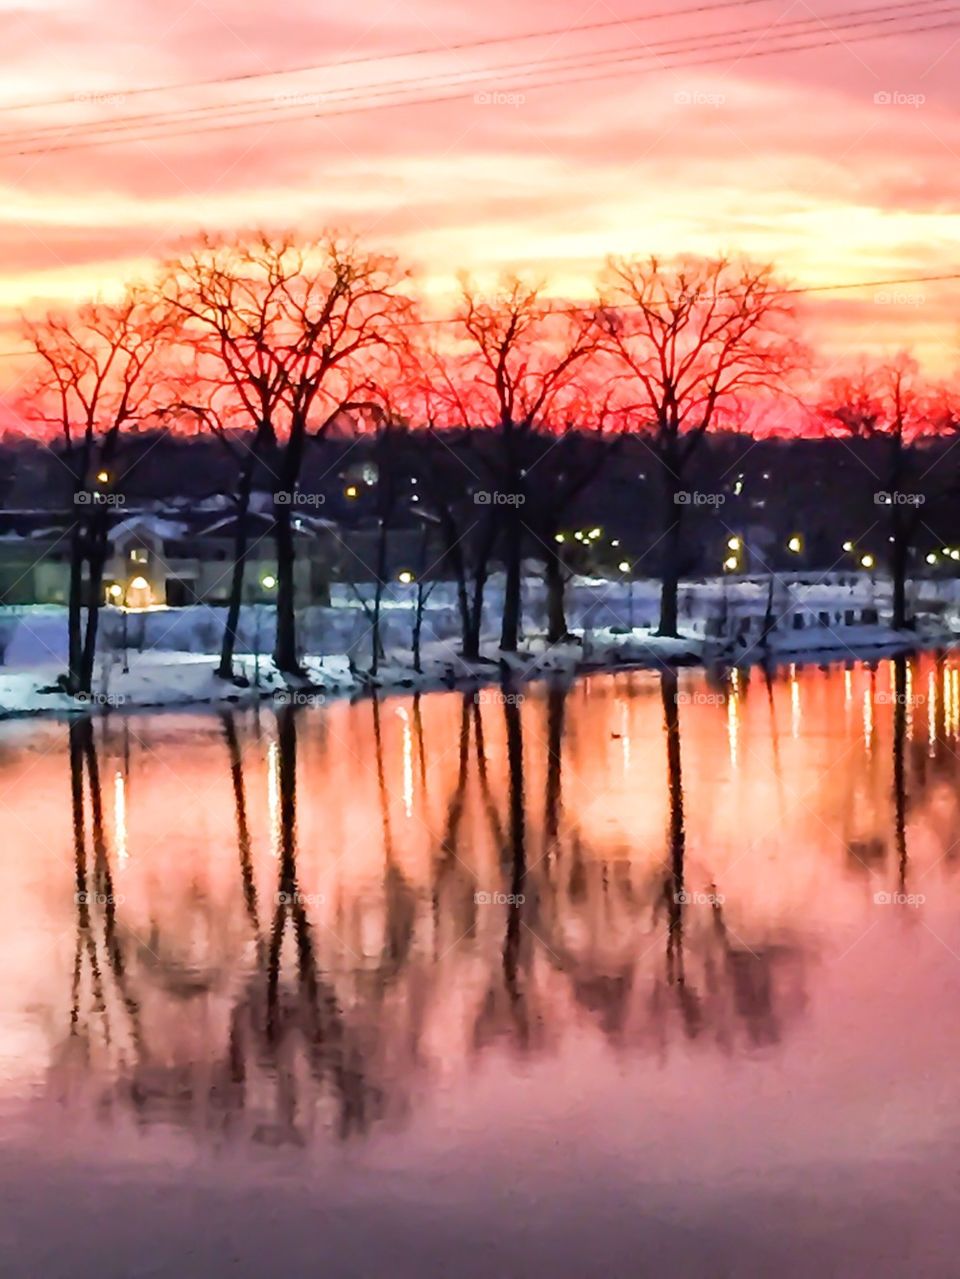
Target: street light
(734, 543)
(867, 561)
(848, 547)
(730, 563)
(103, 477)
(269, 582)
(795, 544)
(406, 577)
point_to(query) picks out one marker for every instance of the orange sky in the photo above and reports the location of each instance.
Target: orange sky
(788, 158)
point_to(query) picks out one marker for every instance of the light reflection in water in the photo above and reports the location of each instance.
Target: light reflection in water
(289, 964)
(120, 817)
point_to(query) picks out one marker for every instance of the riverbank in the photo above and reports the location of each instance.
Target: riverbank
(160, 679)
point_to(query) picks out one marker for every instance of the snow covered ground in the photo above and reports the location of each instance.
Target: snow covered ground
(169, 654)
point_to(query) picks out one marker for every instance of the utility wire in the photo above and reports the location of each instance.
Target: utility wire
(845, 34)
(849, 18)
(424, 51)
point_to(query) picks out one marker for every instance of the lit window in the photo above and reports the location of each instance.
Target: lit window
(139, 556)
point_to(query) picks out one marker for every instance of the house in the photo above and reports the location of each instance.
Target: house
(170, 557)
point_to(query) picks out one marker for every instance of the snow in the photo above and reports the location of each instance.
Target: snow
(170, 653)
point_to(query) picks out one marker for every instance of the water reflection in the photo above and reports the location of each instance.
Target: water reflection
(304, 922)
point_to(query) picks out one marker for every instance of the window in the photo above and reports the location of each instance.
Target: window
(849, 617)
(139, 555)
(824, 619)
(798, 621)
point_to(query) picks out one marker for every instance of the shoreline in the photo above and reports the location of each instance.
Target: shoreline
(177, 681)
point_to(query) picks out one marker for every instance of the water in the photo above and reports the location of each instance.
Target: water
(643, 977)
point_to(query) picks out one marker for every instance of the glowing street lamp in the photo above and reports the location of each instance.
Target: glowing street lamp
(867, 561)
(559, 537)
(734, 543)
(795, 544)
(350, 491)
(269, 581)
(406, 577)
(624, 566)
(932, 557)
(730, 563)
(848, 547)
(103, 477)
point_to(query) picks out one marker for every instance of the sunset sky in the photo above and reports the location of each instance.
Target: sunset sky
(790, 157)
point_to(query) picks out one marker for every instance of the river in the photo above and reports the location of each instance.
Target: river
(644, 975)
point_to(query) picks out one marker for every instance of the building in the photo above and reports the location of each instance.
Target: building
(171, 557)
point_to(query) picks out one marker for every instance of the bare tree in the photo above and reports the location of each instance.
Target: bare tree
(696, 343)
(888, 403)
(95, 379)
(520, 363)
(299, 329)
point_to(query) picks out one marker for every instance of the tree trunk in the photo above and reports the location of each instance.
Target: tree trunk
(285, 649)
(97, 561)
(454, 553)
(556, 614)
(471, 639)
(510, 629)
(670, 563)
(378, 595)
(418, 629)
(240, 545)
(75, 609)
(898, 569)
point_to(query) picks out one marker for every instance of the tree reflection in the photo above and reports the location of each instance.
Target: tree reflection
(323, 1011)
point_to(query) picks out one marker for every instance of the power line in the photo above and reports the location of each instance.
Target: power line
(835, 38)
(838, 23)
(587, 309)
(424, 51)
